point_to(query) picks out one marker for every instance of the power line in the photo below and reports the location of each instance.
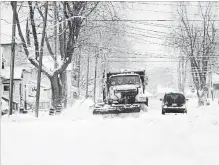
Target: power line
(145, 61)
(139, 61)
(146, 3)
(164, 56)
(144, 20)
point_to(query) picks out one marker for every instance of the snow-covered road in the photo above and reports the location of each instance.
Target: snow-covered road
(151, 138)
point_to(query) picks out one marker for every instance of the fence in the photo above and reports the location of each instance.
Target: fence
(43, 106)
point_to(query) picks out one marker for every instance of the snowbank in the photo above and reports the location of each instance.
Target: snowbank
(81, 109)
(75, 138)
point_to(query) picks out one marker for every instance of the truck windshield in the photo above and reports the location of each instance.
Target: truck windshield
(124, 80)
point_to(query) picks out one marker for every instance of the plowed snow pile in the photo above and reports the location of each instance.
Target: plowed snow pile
(81, 109)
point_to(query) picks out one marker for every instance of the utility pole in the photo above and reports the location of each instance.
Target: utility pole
(55, 34)
(183, 74)
(79, 70)
(14, 6)
(95, 74)
(182, 79)
(104, 78)
(87, 81)
(210, 88)
(0, 62)
(25, 97)
(103, 61)
(179, 75)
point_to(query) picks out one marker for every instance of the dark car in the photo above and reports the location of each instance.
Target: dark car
(174, 102)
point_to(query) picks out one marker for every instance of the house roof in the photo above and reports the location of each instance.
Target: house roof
(34, 82)
(215, 78)
(6, 43)
(17, 72)
(4, 104)
(42, 99)
(49, 62)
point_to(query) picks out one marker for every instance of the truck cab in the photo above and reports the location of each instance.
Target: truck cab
(123, 92)
(125, 88)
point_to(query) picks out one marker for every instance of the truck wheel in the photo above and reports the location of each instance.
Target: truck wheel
(163, 112)
(143, 107)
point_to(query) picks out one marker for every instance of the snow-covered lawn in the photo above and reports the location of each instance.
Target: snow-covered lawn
(78, 137)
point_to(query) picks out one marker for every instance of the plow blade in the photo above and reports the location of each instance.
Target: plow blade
(117, 109)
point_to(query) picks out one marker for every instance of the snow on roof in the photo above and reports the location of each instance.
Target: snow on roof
(122, 74)
(42, 99)
(17, 72)
(215, 78)
(33, 82)
(4, 104)
(175, 92)
(5, 42)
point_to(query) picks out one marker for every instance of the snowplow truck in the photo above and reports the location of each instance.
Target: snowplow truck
(123, 92)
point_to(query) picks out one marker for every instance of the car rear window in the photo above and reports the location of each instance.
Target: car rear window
(174, 97)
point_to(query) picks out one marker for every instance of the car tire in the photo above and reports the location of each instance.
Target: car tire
(163, 112)
(185, 111)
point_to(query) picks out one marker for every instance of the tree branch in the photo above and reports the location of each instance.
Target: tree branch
(34, 30)
(30, 58)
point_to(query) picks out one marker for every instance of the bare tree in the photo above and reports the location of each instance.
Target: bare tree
(73, 15)
(40, 56)
(108, 38)
(197, 40)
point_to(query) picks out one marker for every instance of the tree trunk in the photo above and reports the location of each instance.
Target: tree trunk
(56, 90)
(201, 101)
(201, 98)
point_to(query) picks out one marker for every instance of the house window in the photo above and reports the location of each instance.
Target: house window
(216, 86)
(6, 87)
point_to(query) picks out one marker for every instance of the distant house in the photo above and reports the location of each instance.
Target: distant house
(16, 86)
(71, 81)
(215, 84)
(28, 90)
(25, 78)
(29, 85)
(162, 89)
(20, 57)
(20, 63)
